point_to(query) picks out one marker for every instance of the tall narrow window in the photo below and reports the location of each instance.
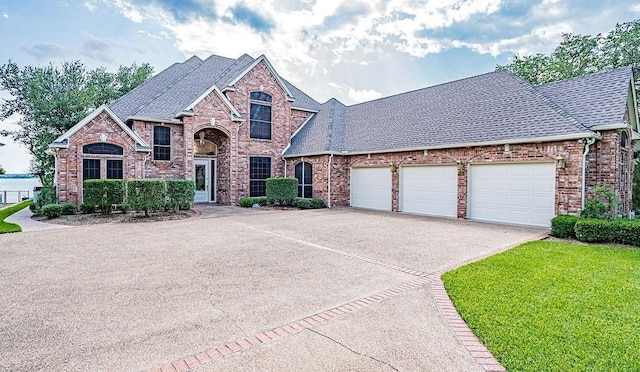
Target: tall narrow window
(90, 169)
(304, 174)
(114, 169)
(260, 116)
(161, 143)
(259, 171)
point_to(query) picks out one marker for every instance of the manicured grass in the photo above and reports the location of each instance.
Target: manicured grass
(552, 306)
(6, 227)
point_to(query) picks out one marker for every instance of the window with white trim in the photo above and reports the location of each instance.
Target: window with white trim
(260, 116)
(259, 171)
(161, 143)
(304, 174)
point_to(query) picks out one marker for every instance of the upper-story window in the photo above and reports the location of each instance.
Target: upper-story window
(260, 116)
(161, 143)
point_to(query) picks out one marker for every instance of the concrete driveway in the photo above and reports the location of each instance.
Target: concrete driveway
(292, 290)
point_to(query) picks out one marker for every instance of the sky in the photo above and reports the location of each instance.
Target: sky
(351, 50)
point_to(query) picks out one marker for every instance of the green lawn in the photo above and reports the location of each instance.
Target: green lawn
(6, 227)
(552, 306)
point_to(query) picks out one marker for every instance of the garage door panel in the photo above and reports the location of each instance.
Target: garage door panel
(429, 190)
(517, 193)
(371, 188)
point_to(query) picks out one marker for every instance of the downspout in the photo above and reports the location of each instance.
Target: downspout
(144, 165)
(329, 182)
(285, 166)
(588, 143)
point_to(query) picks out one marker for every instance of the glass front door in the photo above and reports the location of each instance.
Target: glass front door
(201, 175)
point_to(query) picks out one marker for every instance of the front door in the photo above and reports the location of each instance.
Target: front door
(204, 176)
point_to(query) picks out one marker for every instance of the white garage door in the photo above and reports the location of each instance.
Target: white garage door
(512, 193)
(371, 188)
(430, 190)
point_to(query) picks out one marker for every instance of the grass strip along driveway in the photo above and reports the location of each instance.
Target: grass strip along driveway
(6, 227)
(554, 306)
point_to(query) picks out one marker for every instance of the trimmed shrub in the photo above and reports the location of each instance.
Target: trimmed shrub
(563, 226)
(180, 193)
(306, 203)
(593, 230)
(103, 193)
(124, 207)
(51, 210)
(249, 202)
(87, 208)
(317, 203)
(69, 209)
(593, 208)
(303, 203)
(282, 190)
(33, 208)
(626, 232)
(146, 195)
(47, 195)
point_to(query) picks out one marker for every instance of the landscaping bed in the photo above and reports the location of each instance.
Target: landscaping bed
(95, 218)
(551, 305)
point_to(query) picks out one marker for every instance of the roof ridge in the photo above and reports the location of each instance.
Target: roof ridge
(425, 88)
(231, 66)
(169, 86)
(551, 103)
(628, 67)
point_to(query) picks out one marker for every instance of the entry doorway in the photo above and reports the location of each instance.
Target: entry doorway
(204, 175)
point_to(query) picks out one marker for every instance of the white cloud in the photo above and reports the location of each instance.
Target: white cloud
(5, 15)
(363, 95)
(311, 41)
(635, 8)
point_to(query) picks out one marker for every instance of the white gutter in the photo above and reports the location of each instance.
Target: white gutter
(610, 126)
(144, 165)
(457, 145)
(153, 120)
(588, 143)
(329, 182)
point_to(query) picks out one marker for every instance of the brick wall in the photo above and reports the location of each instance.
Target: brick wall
(69, 178)
(568, 184)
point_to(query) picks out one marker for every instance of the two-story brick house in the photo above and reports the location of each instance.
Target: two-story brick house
(490, 147)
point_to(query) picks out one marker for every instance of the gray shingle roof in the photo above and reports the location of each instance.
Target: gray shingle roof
(491, 108)
(596, 99)
(167, 94)
(316, 136)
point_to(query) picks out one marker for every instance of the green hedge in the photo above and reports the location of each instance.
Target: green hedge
(103, 193)
(593, 230)
(306, 203)
(563, 226)
(51, 210)
(146, 195)
(282, 190)
(249, 202)
(69, 209)
(626, 232)
(180, 193)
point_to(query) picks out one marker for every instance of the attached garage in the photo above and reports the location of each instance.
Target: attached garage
(516, 193)
(371, 188)
(429, 190)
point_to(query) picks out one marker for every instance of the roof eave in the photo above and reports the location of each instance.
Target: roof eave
(155, 120)
(610, 126)
(273, 71)
(515, 141)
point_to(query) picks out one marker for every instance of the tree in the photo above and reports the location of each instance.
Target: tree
(51, 99)
(2, 171)
(578, 55)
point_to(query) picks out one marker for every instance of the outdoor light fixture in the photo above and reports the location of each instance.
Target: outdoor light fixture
(392, 167)
(460, 165)
(560, 162)
(201, 139)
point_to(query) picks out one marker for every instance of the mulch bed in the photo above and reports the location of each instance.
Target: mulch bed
(116, 217)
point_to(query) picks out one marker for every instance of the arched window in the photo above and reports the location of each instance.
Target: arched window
(102, 149)
(304, 174)
(260, 116)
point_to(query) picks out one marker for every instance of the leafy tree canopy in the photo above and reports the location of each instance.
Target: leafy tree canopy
(578, 55)
(51, 99)
(2, 171)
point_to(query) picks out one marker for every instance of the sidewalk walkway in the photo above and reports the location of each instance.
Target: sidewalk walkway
(24, 220)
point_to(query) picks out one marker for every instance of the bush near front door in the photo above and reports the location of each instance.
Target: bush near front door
(282, 190)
